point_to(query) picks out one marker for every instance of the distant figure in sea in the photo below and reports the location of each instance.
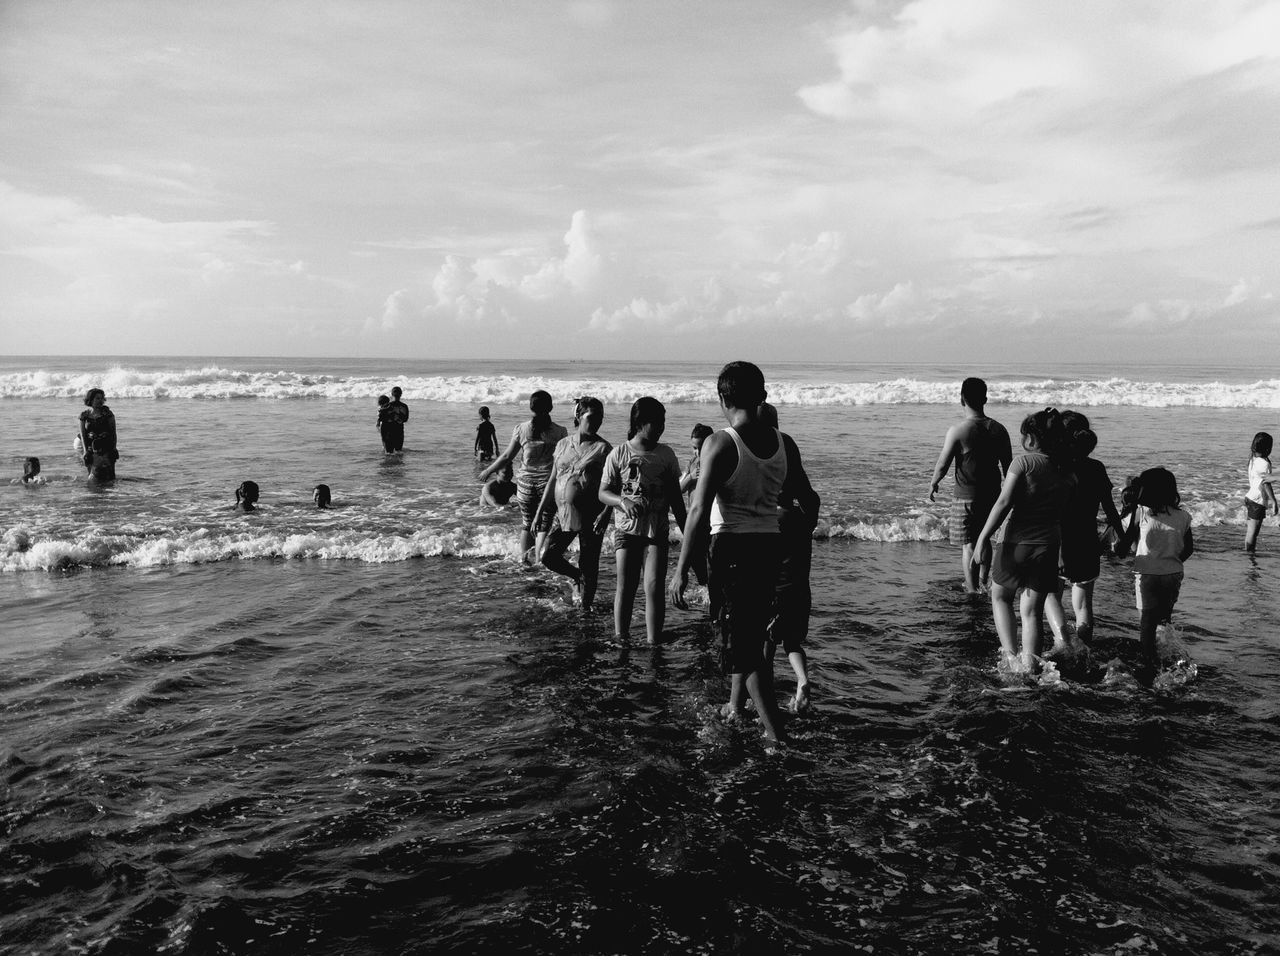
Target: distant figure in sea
(1260, 490)
(247, 496)
(486, 437)
(383, 402)
(98, 436)
(535, 442)
(747, 469)
(1033, 496)
(980, 448)
(322, 496)
(1081, 558)
(574, 494)
(689, 480)
(393, 417)
(642, 484)
(1162, 531)
(793, 598)
(499, 489)
(31, 471)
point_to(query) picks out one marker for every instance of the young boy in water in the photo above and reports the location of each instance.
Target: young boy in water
(486, 437)
(746, 468)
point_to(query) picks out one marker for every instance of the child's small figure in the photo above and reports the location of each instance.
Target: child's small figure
(31, 472)
(1162, 531)
(1260, 490)
(642, 483)
(247, 496)
(384, 403)
(689, 481)
(499, 489)
(486, 437)
(321, 496)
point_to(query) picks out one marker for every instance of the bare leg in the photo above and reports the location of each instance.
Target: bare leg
(630, 565)
(1082, 604)
(526, 545)
(1006, 624)
(655, 593)
(553, 558)
(1032, 625)
(1251, 528)
(1057, 618)
(800, 664)
(589, 565)
(970, 572)
(761, 690)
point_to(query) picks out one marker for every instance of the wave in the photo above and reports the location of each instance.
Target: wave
(218, 383)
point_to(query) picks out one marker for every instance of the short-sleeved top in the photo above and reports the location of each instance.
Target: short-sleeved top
(577, 471)
(1161, 537)
(1259, 474)
(644, 477)
(537, 454)
(1038, 503)
(1092, 485)
(978, 469)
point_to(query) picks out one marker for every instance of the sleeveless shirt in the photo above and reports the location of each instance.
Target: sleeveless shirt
(748, 502)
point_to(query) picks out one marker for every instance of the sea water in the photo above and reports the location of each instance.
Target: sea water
(367, 729)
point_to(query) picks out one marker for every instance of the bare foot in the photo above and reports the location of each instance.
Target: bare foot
(800, 703)
(730, 713)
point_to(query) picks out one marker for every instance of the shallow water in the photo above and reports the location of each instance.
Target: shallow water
(367, 730)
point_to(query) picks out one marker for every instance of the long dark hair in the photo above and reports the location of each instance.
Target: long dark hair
(643, 411)
(1050, 434)
(540, 405)
(1158, 489)
(1260, 447)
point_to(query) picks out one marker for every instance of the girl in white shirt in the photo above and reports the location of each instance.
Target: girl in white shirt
(1163, 532)
(1260, 491)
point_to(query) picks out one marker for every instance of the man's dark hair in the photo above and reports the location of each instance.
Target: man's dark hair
(741, 385)
(974, 392)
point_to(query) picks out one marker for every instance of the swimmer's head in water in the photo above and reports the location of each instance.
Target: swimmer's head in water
(247, 493)
(93, 393)
(321, 496)
(30, 468)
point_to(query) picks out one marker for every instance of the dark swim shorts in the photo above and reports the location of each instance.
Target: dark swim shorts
(967, 520)
(1026, 565)
(1081, 558)
(741, 580)
(1255, 511)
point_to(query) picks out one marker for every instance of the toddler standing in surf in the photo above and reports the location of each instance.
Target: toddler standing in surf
(642, 484)
(1260, 490)
(575, 487)
(486, 437)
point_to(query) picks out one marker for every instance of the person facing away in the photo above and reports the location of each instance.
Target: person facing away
(1162, 531)
(394, 415)
(486, 437)
(247, 496)
(793, 597)
(98, 436)
(574, 494)
(535, 442)
(733, 514)
(641, 483)
(1033, 496)
(1081, 557)
(979, 447)
(1260, 490)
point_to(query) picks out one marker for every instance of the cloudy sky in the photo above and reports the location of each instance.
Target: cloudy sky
(810, 179)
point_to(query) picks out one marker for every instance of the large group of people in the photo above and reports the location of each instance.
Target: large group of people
(747, 530)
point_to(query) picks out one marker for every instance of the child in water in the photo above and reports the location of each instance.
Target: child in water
(1163, 533)
(499, 489)
(1033, 495)
(642, 484)
(486, 437)
(1260, 490)
(247, 496)
(30, 473)
(321, 496)
(576, 473)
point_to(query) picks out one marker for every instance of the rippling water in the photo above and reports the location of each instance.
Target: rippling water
(368, 731)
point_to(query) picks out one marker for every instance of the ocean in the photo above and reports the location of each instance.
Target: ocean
(367, 730)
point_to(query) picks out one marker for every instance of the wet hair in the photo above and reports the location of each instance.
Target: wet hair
(1082, 442)
(645, 410)
(30, 468)
(1260, 447)
(396, 391)
(247, 492)
(321, 496)
(974, 392)
(768, 415)
(383, 400)
(701, 432)
(484, 411)
(1157, 489)
(88, 396)
(1074, 421)
(741, 385)
(583, 405)
(540, 404)
(1049, 434)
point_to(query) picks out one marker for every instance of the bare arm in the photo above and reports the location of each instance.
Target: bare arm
(999, 511)
(1188, 546)
(719, 459)
(797, 486)
(945, 458)
(502, 459)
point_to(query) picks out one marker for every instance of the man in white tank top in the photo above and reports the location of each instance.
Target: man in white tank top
(745, 468)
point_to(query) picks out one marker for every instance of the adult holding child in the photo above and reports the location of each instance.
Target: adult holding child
(98, 436)
(534, 444)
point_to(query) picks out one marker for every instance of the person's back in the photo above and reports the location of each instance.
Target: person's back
(747, 502)
(982, 446)
(1038, 506)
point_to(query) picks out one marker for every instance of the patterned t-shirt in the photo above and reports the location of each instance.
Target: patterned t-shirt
(644, 476)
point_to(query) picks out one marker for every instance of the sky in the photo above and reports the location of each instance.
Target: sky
(1023, 180)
